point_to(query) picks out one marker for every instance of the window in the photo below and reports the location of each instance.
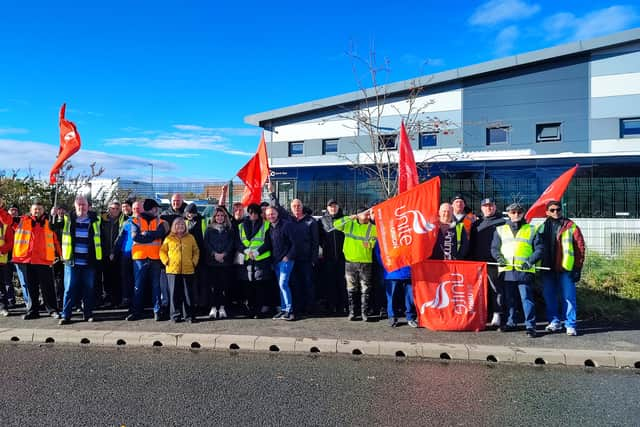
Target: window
(630, 128)
(498, 135)
(296, 148)
(548, 132)
(329, 146)
(428, 139)
(387, 142)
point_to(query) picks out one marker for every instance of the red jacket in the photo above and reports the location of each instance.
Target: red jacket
(8, 241)
(36, 253)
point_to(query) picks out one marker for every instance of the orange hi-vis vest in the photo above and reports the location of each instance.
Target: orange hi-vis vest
(22, 242)
(146, 250)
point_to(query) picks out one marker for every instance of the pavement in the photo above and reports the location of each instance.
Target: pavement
(597, 345)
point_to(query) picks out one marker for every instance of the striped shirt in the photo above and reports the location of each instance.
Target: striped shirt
(81, 246)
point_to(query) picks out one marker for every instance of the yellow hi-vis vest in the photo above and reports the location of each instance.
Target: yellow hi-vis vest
(256, 241)
(67, 250)
(459, 227)
(518, 249)
(566, 241)
(359, 239)
(4, 258)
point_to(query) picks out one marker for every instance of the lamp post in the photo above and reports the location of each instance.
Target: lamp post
(152, 192)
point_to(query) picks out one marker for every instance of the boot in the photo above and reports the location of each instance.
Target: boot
(365, 306)
(352, 305)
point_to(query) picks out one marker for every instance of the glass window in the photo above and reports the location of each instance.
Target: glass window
(296, 148)
(498, 135)
(630, 128)
(329, 146)
(428, 139)
(387, 142)
(548, 132)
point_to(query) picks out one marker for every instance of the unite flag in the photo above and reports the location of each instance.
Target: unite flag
(69, 144)
(553, 192)
(407, 225)
(407, 172)
(254, 174)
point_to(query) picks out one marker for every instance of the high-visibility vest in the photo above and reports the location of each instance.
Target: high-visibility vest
(22, 239)
(355, 235)
(256, 241)
(566, 241)
(4, 258)
(146, 250)
(459, 227)
(516, 249)
(67, 249)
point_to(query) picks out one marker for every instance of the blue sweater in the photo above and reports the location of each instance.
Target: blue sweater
(403, 273)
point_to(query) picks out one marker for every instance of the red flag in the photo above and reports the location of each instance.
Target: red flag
(553, 192)
(407, 172)
(406, 225)
(254, 174)
(450, 295)
(69, 144)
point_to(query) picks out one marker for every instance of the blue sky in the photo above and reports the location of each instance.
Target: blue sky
(169, 83)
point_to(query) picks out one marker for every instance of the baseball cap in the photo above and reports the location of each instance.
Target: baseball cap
(487, 201)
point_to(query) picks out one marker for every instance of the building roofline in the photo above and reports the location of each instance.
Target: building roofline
(580, 46)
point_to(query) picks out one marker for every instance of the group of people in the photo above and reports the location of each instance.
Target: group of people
(273, 262)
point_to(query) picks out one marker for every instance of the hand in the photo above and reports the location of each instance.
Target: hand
(575, 275)
(353, 216)
(525, 265)
(285, 259)
(501, 261)
(270, 187)
(111, 257)
(219, 257)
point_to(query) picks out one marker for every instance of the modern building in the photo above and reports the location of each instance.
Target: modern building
(504, 129)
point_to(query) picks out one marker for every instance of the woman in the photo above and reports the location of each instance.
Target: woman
(179, 253)
(219, 243)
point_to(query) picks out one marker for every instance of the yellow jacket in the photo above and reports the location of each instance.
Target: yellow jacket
(180, 255)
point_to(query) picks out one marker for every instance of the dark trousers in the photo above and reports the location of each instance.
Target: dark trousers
(126, 277)
(257, 293)
(332, 285)
(4, 301)
(181, 295)
(38, 278)
(496, 290)
(220, 281)
(111, 281)
(302, 286)
(202, 287)
(58, 280)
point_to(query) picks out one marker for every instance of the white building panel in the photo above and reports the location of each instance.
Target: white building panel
(615, 145)
(615, 85)
(331, 127)
(428, 104)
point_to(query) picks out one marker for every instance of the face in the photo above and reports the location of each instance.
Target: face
(515, 215)
(445, 213)
(554, 211)
(176, 201)
(37, 210)
(82, 207)
(296, 207)
(189, 215)
(136, 208)
(253, 216)
(458, 205)
(13, 211)
(126, 209)
(219, 217)
(114, 210)
(180, 227)
(488, 210)
(364, 217)
(333, 208)
(238, 211)
(272, 215)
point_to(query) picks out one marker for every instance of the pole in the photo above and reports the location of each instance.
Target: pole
(513, 265)
(230, 193)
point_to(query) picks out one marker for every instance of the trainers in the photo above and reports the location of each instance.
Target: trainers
(531, 333)
(553, 327)
(89, 319)
(278, 315)
(572, 332)
(496, 320)
(64, 321)
(213, 313)
(222, 313)
(393, 322)
(55, 314)
(351, 317)
(4, 312)
(412, 323)
(507, 327)
(365, 317)
(131, 317)
(288, 316)
(30, 316)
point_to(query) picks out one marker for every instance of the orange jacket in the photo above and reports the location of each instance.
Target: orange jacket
(34, 242)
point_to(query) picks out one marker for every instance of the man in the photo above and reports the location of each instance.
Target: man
(564, 252)
(176, 209)
(282, 242)
(481, 237)
(196, 226)
(359, 239)
(122, 250)
(111, 224)
(147, 231)
(462, 216)
(332, 260)
(517, 247)
(34, 250)
(452, 242)
(127, 208)
(81, 250)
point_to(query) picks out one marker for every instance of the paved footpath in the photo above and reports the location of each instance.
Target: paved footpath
(598, 345)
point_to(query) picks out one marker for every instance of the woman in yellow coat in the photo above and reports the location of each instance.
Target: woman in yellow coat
(179, 253)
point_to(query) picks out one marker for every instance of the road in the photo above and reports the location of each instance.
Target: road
(71, 386)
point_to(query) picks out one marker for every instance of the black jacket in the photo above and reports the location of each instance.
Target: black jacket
(482, 236)
(448, 243)
(281, 241)
(219, 241)
(331, 240)
(93, 217)
(110, 229)
(170, 214)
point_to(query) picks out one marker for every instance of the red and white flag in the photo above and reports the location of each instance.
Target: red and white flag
(450, 295)
(69, 144)
(406, 225)
(553, 192)
(254, 174)
(407, 172)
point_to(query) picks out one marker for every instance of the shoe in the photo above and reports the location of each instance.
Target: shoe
(131, 317)
(189, 320)
(572, 332)
(30, 316)
(278, 315)
(553, 327)
(412, 323)
(55, 314)
(176, 320)
(4, 312)
(531, 333)
(213, 314)
(365, 318)
(64, 321)
(496, 320)
(288, 316)
(393, 322)
(222, 313)
(156, 316)
(351, 317)
(383, 313)
(89, 319)
(507, 328)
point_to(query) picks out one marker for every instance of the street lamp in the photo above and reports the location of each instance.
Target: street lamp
(152, 192)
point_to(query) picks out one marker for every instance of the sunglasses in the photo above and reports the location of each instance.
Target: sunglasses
(515, 212)
(555, 210)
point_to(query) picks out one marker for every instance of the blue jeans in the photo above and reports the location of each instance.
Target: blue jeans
(21, 270)
(78, 279)
(556, 285)
(145, 270)
(528, 306)
(283, 272)
(392, 287)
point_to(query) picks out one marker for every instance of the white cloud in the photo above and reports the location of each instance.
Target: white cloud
(194, 128)
(497, 11)
(506, 39)
(567, 26)
(12, 131)
(177, 155)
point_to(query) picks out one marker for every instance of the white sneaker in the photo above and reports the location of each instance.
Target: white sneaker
(496, 320)
(553, 327)
(213, 313)
(222, 313)
(572, 332)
